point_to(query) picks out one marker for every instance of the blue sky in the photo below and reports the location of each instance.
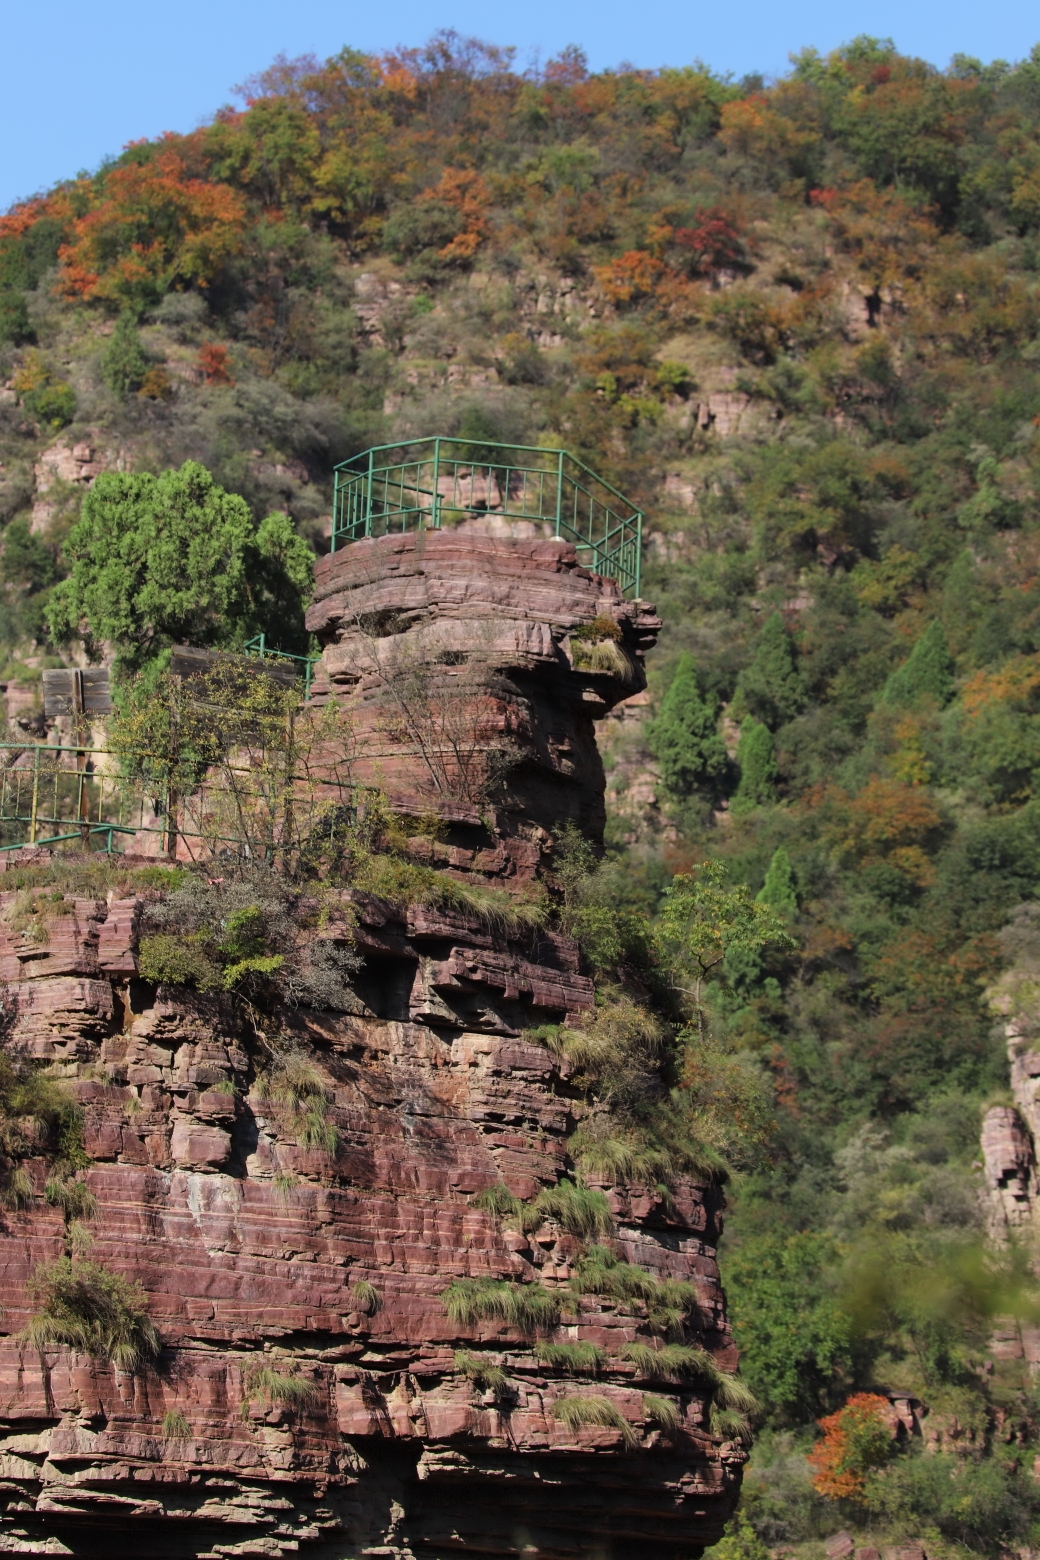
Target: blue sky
(79, 82)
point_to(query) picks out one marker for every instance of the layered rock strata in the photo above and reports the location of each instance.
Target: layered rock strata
(464, 662)
(257, 1250)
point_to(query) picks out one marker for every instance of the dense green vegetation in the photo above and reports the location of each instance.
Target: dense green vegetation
(802, 325)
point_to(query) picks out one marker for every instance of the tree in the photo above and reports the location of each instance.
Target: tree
(703, 920)
(757, 759)
(684, 738)
(174, 559)
(771, 686)
(778, 891)
(926, 674)
(123, 362)
(857, 1439)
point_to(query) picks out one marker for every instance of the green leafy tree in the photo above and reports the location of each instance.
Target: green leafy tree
(172, 559)
(795, 1338)
(926, 674)
(756, 756)
(778, 891)
(771, 686)
(123, 362)
(684, 738)
(703, 920)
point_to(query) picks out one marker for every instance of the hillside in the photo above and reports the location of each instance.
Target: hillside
(799, 324)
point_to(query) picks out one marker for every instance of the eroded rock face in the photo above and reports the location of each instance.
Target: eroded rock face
(255, 1249)
(458, 656)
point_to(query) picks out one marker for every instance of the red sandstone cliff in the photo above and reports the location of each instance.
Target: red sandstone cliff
(458, 657)
(256, 1249)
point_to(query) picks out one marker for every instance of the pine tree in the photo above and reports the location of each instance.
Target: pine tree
(771, 686)
(778, 891)
(927, 673)
(757, 759)
(684, 738)
(123, 362)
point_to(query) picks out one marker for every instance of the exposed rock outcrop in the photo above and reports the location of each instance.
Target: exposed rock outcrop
(459, 658)
(254, 1247)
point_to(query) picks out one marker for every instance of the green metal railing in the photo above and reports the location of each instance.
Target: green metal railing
(52, 795)
(437, 482)
(259, 647)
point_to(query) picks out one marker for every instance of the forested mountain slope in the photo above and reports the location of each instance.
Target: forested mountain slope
(801, 325)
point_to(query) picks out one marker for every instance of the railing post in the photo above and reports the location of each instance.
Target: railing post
(559, 490)
(335, 509)
(639, 551)
(436, 484)
(35, 796)
(368, 496)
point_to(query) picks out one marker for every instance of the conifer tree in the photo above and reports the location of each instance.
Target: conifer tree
(757, 759)
(927, 673)
(778, 891)
(123, 362)
(684, 738)
(771, 686)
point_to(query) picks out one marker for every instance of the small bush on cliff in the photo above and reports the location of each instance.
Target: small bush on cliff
(175, 1426)
(302, 1100)
(36, 1115)
(527, 1307)
(251, 934)
(579, 1413)
(85, 1306)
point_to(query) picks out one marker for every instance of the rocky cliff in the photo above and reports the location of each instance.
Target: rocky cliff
(253, 1247)
(316, 1392)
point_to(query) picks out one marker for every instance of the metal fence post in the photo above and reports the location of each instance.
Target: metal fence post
(35, 797)
(436, 484)
(559, 490)
(368, 495)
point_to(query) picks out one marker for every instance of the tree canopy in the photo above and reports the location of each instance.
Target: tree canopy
(175, 559)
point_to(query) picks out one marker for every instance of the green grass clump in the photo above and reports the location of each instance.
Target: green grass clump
(580, 1412)
(302, 1100)
(74, 1198)
(16, 1189)
(499, 1200)
(729, 1424)
(287, 1388)
(484, 1376)
(660, 1411)
(668, 1301)
(527, 1307)
(175, 1427)
(365, 1297)
(82, 1304)
(577, 1359)
(671, 1362)
(408, 883)
(581, 1211)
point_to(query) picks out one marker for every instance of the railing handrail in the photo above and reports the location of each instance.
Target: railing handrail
(487, 444)
(616, 552)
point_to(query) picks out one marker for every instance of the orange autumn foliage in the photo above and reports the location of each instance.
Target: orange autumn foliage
(855, 1440)
(1013, 683)
(215, 363)
(468, 193)
(151, 226)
